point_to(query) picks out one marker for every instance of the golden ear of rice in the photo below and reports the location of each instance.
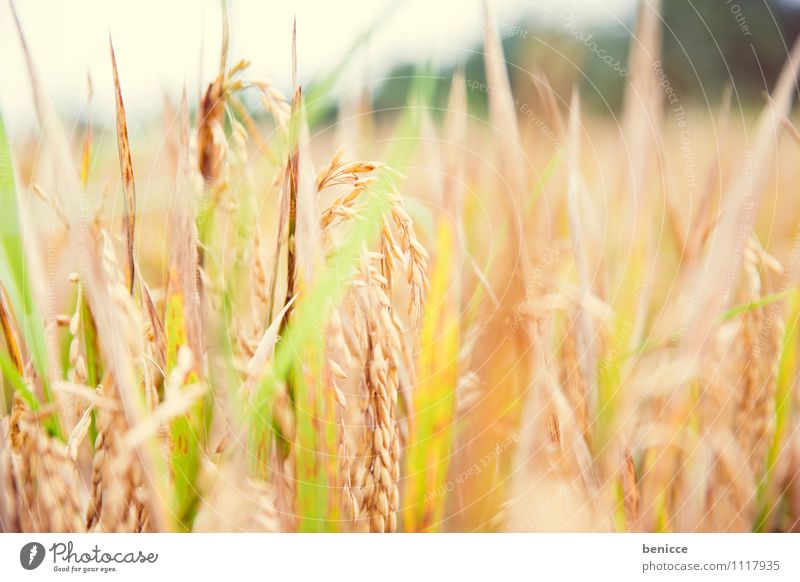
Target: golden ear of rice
(46, 479)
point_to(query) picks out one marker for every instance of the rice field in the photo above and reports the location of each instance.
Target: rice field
(533, 318)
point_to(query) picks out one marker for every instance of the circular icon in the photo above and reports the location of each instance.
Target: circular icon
(31, 555)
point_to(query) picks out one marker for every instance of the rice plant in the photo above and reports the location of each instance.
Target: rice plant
(471, 332)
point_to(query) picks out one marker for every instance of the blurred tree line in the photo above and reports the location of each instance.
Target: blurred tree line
(707, 44)
(711, 43)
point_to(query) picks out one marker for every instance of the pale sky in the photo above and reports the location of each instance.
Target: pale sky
(160, 44)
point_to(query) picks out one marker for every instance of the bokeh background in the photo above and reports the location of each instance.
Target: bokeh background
(607, 210)
(707, 45)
